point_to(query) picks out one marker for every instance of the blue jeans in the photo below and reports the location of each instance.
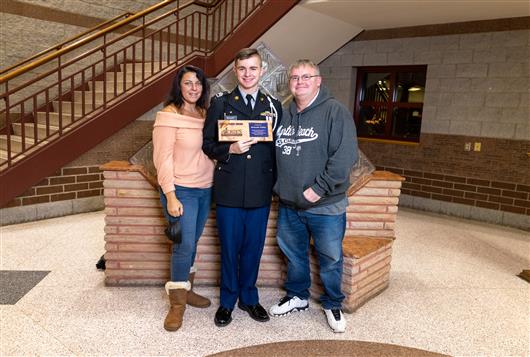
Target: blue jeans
(196, 203)
(295, 229)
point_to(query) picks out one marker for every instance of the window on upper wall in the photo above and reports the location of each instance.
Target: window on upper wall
(389, 102)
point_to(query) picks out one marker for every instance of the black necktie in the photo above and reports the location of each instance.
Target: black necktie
(249, 102)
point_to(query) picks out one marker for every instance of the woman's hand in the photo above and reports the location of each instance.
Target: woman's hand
(174, 206)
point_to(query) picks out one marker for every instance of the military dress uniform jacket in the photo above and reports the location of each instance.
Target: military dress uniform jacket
(241, 180)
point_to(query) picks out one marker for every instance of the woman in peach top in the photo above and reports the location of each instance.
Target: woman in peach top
(185, 175)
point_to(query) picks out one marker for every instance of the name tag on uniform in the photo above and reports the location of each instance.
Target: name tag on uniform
(235, 130)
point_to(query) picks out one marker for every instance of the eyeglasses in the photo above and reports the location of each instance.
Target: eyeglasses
(303, 77)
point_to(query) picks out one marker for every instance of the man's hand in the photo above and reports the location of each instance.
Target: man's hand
(242, 146)
(174, 206)
(310, 195)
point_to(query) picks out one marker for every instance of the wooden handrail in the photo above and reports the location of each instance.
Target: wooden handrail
(101, 33)
(60, 45)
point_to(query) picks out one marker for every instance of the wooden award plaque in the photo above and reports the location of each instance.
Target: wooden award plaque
(235, 130)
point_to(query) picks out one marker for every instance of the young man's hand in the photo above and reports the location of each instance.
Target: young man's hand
(241, 146)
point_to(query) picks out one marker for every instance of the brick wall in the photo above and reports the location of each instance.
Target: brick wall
(495, 195)
(65, 184)
(496, 178)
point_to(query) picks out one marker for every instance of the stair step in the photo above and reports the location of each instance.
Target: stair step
(109, 76)
(78, 95)
(98, 86)
(138, 67)
(67, 106)
(29, 130)
(54, 118)
(16, 143)
(110, 90)
(3, 157)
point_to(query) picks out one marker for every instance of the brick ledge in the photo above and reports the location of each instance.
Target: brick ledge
(126, 166)
(359, 247)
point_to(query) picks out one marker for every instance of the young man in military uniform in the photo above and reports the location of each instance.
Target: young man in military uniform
(243, 180)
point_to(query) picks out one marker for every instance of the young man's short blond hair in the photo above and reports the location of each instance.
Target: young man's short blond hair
(304, 62)
(245, 53)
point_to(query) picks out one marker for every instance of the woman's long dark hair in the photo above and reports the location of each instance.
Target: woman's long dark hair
(175, 94)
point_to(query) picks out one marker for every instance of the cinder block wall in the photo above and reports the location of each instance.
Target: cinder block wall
(31, 26)
(477, 90)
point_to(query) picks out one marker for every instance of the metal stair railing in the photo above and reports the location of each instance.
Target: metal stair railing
(50, 96)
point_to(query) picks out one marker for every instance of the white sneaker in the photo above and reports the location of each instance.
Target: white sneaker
(287, 305)
(336, 320)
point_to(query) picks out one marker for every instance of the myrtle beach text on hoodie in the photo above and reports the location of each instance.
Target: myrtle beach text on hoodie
(288, 143)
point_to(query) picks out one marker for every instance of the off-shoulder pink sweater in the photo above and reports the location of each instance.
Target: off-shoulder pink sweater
(177, 152)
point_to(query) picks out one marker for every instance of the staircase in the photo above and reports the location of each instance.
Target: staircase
(67, 114)
(89, 95)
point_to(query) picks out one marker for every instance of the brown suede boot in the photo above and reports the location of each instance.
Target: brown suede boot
(177, 292)
(195, 299)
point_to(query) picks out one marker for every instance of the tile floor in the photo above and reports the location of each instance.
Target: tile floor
(453, 290)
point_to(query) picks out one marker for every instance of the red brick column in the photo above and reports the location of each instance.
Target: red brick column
(373, 208)
(366, 270)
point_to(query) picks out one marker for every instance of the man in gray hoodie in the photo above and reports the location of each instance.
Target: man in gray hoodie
(316, 148)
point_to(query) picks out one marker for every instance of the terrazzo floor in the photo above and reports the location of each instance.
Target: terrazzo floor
(453, 290)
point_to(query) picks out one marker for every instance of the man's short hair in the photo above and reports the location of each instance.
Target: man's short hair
(304, 62)
(245, 53)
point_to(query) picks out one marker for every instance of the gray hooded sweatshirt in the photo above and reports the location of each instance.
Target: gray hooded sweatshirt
(315, 148)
